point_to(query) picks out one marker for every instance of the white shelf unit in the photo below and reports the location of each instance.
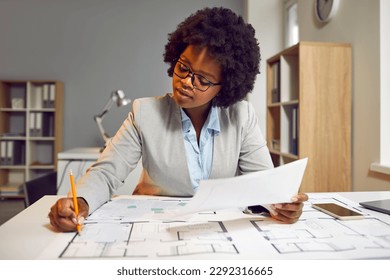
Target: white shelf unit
(31, 118)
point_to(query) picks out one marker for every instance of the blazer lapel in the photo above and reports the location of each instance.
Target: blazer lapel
(179, 160)
(218, 151)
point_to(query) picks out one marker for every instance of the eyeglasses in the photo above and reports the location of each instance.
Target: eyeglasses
(198, 81)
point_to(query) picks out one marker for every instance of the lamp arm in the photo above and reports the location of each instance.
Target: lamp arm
(99, 118)
(116, 96)
(104, 135)
(107, 107)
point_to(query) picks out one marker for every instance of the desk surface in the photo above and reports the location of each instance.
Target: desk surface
(84, 153)
(27, 234)
(79, 160)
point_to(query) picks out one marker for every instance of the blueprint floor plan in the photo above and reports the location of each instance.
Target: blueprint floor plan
(136, 229)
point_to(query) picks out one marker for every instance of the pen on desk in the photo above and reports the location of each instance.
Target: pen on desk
(75, 203)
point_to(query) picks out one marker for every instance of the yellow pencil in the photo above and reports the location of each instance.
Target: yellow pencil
(75, 203)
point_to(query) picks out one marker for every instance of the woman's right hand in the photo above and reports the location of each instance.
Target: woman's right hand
(62, 215)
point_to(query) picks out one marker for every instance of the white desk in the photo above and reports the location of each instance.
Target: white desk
(79, 160)
(28, 234)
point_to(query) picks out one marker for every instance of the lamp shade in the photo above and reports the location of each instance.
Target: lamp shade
(121, 99)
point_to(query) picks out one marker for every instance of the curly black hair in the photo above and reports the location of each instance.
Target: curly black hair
(229, 39)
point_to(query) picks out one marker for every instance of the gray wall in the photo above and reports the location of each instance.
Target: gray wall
(266, 16)
(94, 47)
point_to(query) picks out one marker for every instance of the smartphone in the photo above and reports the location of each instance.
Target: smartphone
(337, 211)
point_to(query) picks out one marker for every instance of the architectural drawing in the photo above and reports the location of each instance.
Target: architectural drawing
(145, 239)
(133, 229)
(326, 235)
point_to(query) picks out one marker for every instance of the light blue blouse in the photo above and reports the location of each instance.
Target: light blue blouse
(200, 157)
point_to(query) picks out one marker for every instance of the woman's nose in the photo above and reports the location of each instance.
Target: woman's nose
(187, 82)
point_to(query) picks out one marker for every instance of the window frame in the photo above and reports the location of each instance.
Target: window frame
(383, 165)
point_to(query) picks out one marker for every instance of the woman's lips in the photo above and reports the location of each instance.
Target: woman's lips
(184, 93)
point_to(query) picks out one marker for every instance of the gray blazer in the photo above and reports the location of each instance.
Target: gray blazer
(153, 132)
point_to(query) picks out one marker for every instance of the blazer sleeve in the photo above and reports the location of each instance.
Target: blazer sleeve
(254, 153)
(118, 159)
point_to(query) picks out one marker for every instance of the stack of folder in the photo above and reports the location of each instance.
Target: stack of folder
(12, 152)
(43, 96)
(41, 124)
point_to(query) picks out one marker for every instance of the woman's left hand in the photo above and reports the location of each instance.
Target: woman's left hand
(289, 212)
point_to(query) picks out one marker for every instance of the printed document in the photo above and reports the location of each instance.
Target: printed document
(266, 187)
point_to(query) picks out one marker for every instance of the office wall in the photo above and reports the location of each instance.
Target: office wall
(94, 47)
(266, 16)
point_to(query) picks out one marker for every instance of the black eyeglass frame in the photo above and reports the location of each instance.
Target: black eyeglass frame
(190, 72)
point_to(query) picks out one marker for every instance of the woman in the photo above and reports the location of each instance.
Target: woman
(204, 129)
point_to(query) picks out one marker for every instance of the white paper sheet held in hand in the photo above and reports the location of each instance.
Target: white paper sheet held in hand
(270, 186)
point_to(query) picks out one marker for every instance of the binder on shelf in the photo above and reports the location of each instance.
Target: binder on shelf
(51, 125)
(275, 92)
(52, 95)
(48, 124)
(45, 101)
(38, 124)
(37, 98)
(294, 131)
(32, 124)
(3, 152)
(10, 153)
(19, 153)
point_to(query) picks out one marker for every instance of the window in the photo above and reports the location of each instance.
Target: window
(291, 19)
(383, 165)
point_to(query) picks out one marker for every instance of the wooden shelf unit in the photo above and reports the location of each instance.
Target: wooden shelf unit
(31, 118)
(309, 112)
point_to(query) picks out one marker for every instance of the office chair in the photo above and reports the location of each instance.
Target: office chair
(39, 187)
